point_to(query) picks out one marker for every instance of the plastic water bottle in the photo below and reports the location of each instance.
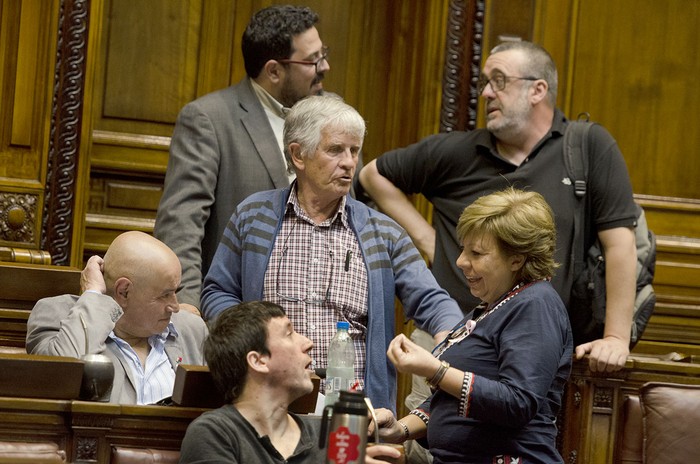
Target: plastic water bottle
(340, 373)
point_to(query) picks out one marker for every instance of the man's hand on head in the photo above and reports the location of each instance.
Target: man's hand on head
(92, 277)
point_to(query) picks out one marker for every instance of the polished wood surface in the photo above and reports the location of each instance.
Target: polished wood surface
(87, 431)
(21, 286)
(27, 37)
(24, 284)
(37, 376)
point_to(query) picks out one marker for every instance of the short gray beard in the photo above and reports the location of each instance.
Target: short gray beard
(512, 122)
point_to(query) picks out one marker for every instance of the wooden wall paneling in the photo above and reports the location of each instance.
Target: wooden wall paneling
(26, 56)
(635, 68)
(672, 216)
(148, 65)
(441, 32)
(180, 51)
(411, 111)
(26, 62)
(367, 48)
(43, 51)
(24, 284)
(334, 28)
(242, 11)
(386, 60)
(554, 26)
(151, 61)
(363, 69)
(217, 46)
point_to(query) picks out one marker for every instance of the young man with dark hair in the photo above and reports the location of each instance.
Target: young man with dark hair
(262, 365)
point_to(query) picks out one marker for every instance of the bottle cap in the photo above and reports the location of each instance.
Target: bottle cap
(351, 403)
(342, 325)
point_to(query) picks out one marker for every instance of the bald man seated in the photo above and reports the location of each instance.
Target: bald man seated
(129, 309)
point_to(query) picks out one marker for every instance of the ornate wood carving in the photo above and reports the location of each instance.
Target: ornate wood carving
(86, 449)
(92, 421)
(18, 217)
(66, 120)
(603, 399)
(465, 30)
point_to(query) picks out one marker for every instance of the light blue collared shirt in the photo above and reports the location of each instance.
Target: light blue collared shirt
(157, 380)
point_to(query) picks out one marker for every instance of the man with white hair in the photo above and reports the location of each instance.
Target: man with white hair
(325, 257)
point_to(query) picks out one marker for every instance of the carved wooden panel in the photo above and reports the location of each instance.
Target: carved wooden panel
(465, 31)
(591, 431)
(42, 57)
(19, 213)
(26, 33)
(88, 430)
(26, 37)
(65, 132)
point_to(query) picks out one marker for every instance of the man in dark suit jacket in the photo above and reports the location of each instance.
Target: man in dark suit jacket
(228, 144)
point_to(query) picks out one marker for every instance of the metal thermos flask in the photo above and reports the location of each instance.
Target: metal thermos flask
(346, 436)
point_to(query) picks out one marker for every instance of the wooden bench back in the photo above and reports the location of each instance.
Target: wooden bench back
(21, 286)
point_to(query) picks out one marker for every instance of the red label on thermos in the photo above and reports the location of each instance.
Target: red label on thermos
(343, 446)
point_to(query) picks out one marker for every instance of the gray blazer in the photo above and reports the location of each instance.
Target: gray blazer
(54, 328)
(222, 150)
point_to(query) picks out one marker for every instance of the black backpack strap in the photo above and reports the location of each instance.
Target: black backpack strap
(576, 162)
(576, 155)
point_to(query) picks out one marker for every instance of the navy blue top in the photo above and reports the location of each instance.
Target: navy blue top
(516, 361)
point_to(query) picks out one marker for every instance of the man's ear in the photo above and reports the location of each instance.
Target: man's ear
(296, 155)
(273, 71)
(539, 91)
(122, 289)
(258, 362)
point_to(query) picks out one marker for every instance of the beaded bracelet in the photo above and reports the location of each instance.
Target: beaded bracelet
(406, 433)
(435, 380)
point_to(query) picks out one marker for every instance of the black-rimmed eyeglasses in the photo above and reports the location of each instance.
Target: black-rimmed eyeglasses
(324, 57)
(498, 81)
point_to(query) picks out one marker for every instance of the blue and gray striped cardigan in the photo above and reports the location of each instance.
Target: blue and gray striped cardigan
(394, 268)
